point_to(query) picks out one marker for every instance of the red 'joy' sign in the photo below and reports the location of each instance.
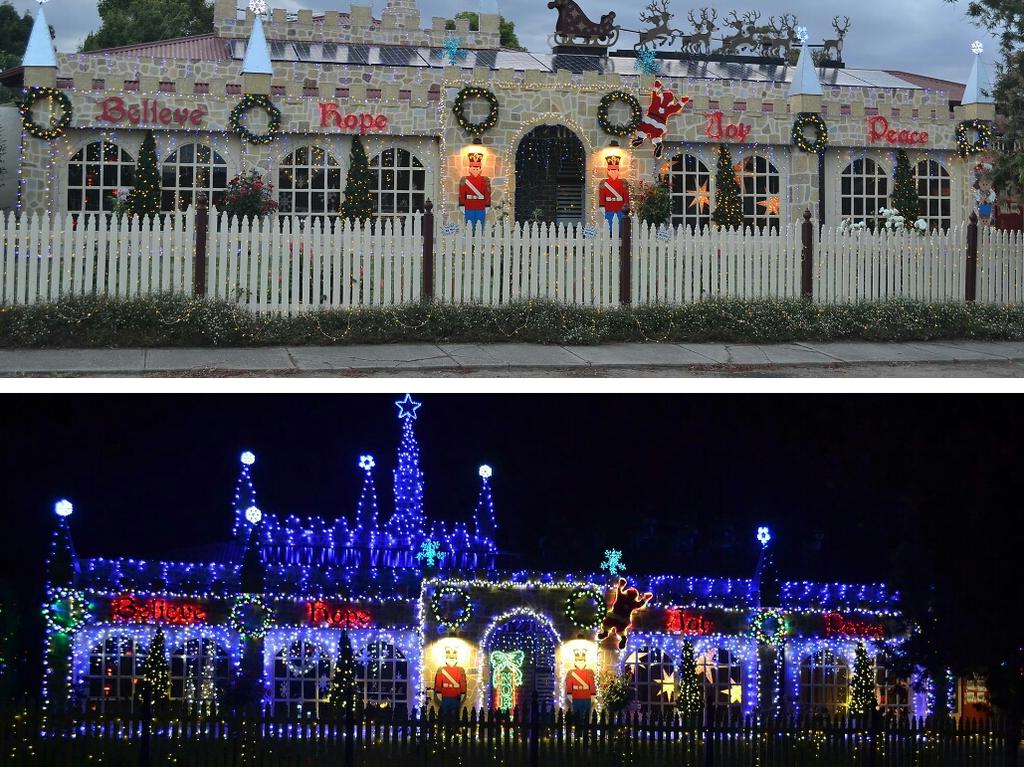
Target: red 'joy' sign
(686, 622)
(713, 128)
(879, 130)
(330, 115)
(114, 110)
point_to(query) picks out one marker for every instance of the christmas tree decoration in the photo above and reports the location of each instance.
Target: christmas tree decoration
(364, 533)
(358, 203)
(406, 526)
(154, 674)
(485, 525)
(690, 691)
(144, 198)
(728, 212)
(506, 677)
(862, 683)
(475, 129)
(250, 101)
(619, 129)
(343, 694)
(59, 109)
(612, 563)
(615, 690)
(904, 190)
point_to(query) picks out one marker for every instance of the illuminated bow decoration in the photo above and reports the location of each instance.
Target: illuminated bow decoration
(506, 675)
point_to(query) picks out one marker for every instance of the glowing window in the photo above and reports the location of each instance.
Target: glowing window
(824, 683)
(759, 192)
(309, 182)
(200, 670)
(398, 181)
(302, 679)
(382, 673)
(933, 192)
(95, 173)
(113, 672)
(863, 190)
(722, 675)
(688, 176)
(190, 169)
(652, 672)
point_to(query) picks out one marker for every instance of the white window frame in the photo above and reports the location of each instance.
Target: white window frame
(111, 650)
(414, 197)
(886, 685)
(123, 163)
(858, 170)
(927, 172)
(189, 663)
(299, 695)
(183, 195)
(390, 668)
(690, 180)
(719, 669)
(760, 180)
(304, 165)
(824, 683)
(647, 691)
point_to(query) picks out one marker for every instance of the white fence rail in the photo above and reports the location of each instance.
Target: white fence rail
(46, 256)
(291, 264)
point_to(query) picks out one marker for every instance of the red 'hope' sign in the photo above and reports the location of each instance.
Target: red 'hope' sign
(330, 114)
(114, 110)
(879, 130)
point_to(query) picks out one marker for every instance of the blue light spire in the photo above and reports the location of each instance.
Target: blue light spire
(62, 564)
(245, 494)
(366, 528)
(406, 526)
(485, 526)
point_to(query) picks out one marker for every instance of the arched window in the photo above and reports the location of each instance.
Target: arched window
(824, 683)
(189, 169)
(398, 181)
(652, 672)
(302, 678)
(759, 192)
(722, 675)
(892, 691)
(933, 191)
(200, 670)
(95, 173)
(113, 672)
(382, 673)
(863, 189)
(689, 190)
(309, 183)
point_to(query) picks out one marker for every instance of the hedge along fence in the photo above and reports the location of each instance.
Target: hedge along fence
(518, 738)
(294, 264)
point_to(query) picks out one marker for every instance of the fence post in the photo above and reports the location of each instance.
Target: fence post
(427, 223)
(202, 229)
(971, 278)
(145, 753)
(807, 256)
(534, 758)
(625, 255)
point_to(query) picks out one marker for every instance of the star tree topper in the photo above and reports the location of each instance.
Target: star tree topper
(613, 563)
(430, 551)
(407, 407)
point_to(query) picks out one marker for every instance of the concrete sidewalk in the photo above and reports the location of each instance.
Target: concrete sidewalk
(958, 358)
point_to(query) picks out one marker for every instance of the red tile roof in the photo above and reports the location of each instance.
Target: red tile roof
(954, 90)
(197, 48)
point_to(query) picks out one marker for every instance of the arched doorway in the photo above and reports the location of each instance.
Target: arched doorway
(520, 660)
(550, 170)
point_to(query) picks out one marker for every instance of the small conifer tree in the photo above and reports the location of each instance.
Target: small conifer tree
(728, 210)
(144, 198)
(358, 202)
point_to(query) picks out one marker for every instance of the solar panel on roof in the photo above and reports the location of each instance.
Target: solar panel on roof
(358, 54)
(519, 61)
(486, 59)
(397, 56)
(280, 51)
(578, 64)
(302, 51)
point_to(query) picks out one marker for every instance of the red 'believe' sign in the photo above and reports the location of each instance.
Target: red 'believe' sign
(128, 608)
(320, 613)
(879, 130)
(114, 110)
(838, 625)
(330, 115)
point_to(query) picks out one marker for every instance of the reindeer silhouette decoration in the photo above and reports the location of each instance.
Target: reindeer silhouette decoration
(784, 37)
(700, 41)
(573, 27)
(837, 44)
(746, 32)
(660, 34)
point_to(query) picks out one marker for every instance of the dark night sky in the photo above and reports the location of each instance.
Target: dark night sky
(901, 489)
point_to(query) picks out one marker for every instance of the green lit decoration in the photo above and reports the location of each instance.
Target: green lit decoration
(250, 616)
(506, 677)
(728, 212)
(343, 694)
(254, 101)
(769, 627)
(690, 691)
(807, 120)
(66, 611)
(615, 129)
(476, 130)
(451, 607)
(862, 685)
(57, 99)
(964, 146)
(585, 607)
(154, 675)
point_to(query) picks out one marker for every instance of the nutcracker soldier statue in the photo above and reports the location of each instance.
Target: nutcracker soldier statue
(580, 686)
(654, 126)
(450, 684)
(613, 194)
(475, 191)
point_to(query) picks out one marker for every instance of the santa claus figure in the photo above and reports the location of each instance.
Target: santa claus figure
(580, 686)
(664, 104)
(450, 684)
(475, 191)
(613, 192)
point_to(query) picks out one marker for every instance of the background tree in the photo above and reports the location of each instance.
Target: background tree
(154, 676)
(506, 29)
(127, 22)
(862, 685)
(904, 190)
(358, 202)
(728, 210)
(690, 696)
(144, 198)
(14, 32)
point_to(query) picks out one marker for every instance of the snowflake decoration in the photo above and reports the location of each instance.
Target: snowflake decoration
(283, 690)
(664, 233)
(253, 515)
(429, 551)
(763, 536)
(448, 230)
(453, 50)
(647, 62)
(258, 7)
(63, 508)
(325, 682)
(248, 458)
(977, 48)
(366, 462)
(589, 232)
(486, 471)
(801, 34)
(613, 563)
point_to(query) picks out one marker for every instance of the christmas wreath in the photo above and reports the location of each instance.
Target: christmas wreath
(966, 147)
(250, 616)
(802, 122)
(250, 101)
(592, 616)
(769, 627)
(636, 114)
(451, 607)
(54, 129)
(459, 110)
(66, 611)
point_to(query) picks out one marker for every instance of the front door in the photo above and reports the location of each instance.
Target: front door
(550, 168)
(521, 654)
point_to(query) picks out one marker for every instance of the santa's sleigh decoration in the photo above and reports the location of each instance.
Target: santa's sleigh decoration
(574, 28)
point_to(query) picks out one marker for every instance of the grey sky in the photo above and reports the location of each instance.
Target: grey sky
(928, 37)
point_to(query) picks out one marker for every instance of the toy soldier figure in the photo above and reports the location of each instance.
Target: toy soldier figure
(450, 684)
(475, 191)
(580, 687)
(613, 194)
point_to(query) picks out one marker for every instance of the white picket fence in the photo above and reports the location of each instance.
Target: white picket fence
(288, 264)
(46, 256)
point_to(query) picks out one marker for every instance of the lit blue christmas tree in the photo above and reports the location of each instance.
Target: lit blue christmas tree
(245, 494)
(406, 524)
(366, 528)
(484, 525)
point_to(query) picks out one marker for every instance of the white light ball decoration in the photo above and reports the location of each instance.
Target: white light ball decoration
(63, 508)
(977, 48)
(485, 471)
(248, 458)
(763, 535)
(366, 462)
(253, 515)
(802, 34)
(259, 7)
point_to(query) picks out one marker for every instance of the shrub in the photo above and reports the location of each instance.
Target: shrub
(249, 196)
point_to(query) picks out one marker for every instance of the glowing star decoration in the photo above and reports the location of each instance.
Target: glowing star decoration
(248, 458)
(485, 471)
(258, 7)
(453, 50)
(763, 536)
(771, 206)
(63, 508)
(253, 515)
(977, 48)
(738, 172)
(735, 693)
(430, 552)
(613, 563)
(701, 198)
(366, 462)
(407, 407)
(667, 685)
(646, 62)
